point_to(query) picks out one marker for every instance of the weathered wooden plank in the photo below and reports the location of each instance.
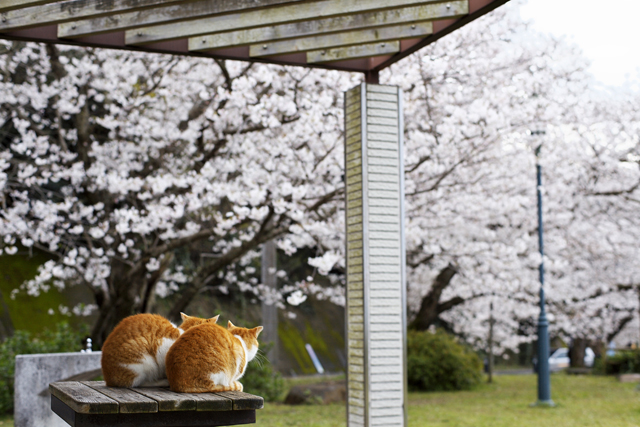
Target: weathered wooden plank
(374, 112)
(83, 399)
(169, 400)
(383, 336)
(385, 272)
(382, 145)
(354, 218)
(354, 195)
(356, 319)
(354, 244)
(385, 88)
(385, 307)
(386, 369)
(211, 401)
(353, 409)
(355, 352)
(391, 361)
(384, 226)
(318, 27)
(353, 52)
(386, 394)
(355, 343)
(16, 4)
(355, 277)
(356, 393)
(381, 96)
(388, 219)
(354, 171)
(125, 19)
(243, 401)
(351, 38)
(392, 409)
(373, 129)
(391, 154)
(61, 11)
(387, 243)
(390, 382)
(391, 286)
(395, 328)
(381, 105)
(383, 161)
(129, 402)
(383, 294)
(356, 310)
(383, 170)
(355, 269)
(389, 121)
(261, 18)
(383, 137)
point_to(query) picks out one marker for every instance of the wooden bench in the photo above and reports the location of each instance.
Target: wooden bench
(92, 403)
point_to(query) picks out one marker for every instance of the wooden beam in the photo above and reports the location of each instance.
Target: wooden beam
(329, 41)
(362, 51)
(367, 20)
(16, 4)
(304, 11)
(62, 11)
(477, 8)
(159, 15)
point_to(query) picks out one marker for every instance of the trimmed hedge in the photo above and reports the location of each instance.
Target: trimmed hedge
(437, 362)
(623, 362)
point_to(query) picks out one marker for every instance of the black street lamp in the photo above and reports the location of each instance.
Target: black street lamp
(544, 380)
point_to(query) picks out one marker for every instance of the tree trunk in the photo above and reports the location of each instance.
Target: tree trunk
(124, 300)
(577, 352)
(429, 312)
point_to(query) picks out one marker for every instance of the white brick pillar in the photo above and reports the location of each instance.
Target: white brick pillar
(376, 292)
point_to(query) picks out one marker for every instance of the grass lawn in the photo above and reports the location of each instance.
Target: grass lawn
(582, 401)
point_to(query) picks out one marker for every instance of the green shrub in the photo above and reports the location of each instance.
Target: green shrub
(260, 379)
(436, 362)
(623, 362)
(63, 339)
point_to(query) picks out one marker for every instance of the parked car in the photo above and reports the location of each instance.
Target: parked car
(560, 360)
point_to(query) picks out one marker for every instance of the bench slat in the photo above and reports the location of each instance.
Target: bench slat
(129, 401)
(168, 400)
(242, 401)
(85, 400)
(211, 401)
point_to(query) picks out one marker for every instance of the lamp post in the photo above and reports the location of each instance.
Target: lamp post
(544, 380)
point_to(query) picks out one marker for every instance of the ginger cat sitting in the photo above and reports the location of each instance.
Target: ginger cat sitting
(210, 358)
(133, 355)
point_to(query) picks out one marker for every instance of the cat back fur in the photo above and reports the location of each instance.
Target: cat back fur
(210, 358)
(133, 355)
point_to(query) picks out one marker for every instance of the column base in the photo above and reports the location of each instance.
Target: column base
(543, 404)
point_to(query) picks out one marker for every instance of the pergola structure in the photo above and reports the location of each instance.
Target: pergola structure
(358, 35)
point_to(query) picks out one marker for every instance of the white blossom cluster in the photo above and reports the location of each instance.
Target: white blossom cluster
(111, 162)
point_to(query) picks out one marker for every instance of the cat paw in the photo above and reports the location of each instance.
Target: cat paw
(237, 386)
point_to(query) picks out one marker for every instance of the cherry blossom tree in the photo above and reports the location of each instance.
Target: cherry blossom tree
(472, 100)
(117, 163)
(112, 161)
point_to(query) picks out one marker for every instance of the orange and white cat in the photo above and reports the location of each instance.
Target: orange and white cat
(133, 355)
(210, 358)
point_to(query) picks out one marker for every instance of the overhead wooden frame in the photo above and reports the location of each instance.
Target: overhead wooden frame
(355, 35)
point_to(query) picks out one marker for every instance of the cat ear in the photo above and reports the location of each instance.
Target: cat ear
(257, 330)
(230, 325)
(184, 316)
(214, 319)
